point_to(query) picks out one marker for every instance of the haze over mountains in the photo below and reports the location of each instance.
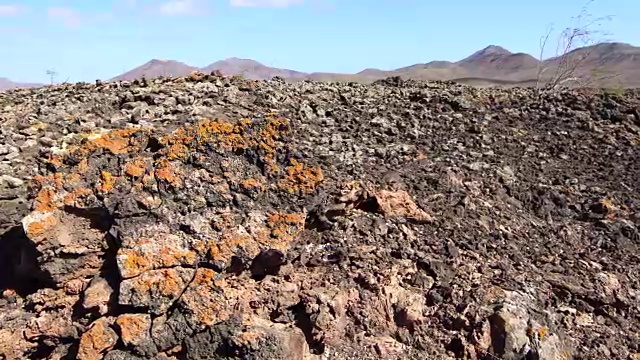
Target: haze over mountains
(6, 84)
(617, 63)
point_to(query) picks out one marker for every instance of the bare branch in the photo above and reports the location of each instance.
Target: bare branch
(568, 62)
(543, 44)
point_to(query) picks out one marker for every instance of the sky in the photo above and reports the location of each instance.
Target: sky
(84, 40)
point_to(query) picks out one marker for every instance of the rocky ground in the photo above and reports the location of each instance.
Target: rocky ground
(211, 217)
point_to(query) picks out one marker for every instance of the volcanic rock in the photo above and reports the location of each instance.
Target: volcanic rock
(212, 217)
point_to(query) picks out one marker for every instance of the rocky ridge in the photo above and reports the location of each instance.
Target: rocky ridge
(210, 217)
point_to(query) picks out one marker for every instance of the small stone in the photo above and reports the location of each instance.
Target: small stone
(157, 289)
(5, 149)
(47, 141)
(12, 182)
(400, 204)
(276, 341)
(434, 297)
(135, 332)
(28, 144)
(74, 287)
(97, 340)
(12, 156)
(98, 295)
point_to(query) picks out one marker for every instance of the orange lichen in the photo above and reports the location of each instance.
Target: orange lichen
(171, 283)
(38, 228)
(95, 341)
(107, 182)
(167, 282)
(279, 218)
(54, 181)
(283, 228)
(135, 263)
(83, 165)
(169, 256)
(228, 245)
(55, 160)
(203, 276)
(167, 172)
(44, 200)
(133, 327)
(252, 183)
(74, 198)
(58, 180)
(207, 300)
(141, 258)
(136, 168)
(272, 169)
(225, 134)
(276, 232)
(543, 332)
(118, 141)
(301, 178)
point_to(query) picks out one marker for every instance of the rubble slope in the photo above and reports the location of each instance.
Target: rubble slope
(212, 217)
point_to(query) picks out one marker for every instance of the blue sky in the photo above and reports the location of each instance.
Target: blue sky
(84, 40)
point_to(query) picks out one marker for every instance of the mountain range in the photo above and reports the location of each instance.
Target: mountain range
(614, 64)
(6, 84)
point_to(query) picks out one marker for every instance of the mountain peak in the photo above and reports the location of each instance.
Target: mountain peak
(160, 61)
(495, 49)
(239, 61)
(489, 51)
(155, 68)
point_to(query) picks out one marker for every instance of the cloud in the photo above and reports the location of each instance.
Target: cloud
(69, 17)
(12, 9)
(180, 8)
(265, 3)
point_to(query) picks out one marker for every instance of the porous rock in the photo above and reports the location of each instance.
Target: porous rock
(216, 217)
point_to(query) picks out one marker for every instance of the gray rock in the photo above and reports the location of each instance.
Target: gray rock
(12, 182)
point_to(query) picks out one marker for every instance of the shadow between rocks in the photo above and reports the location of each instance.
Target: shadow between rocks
(19, 264)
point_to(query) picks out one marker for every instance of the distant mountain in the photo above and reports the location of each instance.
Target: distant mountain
(495, 61)
(155, 68)
(251, 69)
(6, 84)
(618, 62)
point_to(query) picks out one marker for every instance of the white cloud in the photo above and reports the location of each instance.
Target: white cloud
(69, 17)
(12, 9)
(265, 3)
(179, 7)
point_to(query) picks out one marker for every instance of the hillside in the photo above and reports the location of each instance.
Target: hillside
(156, 68)
(617, 64)
(250, 69)
(6, 84)
(214, 217)
(613, 65)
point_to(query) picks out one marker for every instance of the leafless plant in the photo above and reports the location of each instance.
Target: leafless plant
(568, 63)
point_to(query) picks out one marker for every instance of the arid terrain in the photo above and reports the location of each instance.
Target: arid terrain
(211, 217)
(611, 65)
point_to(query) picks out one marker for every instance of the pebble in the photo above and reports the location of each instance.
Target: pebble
(12, 182)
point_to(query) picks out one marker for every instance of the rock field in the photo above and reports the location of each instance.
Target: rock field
(212, 217)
